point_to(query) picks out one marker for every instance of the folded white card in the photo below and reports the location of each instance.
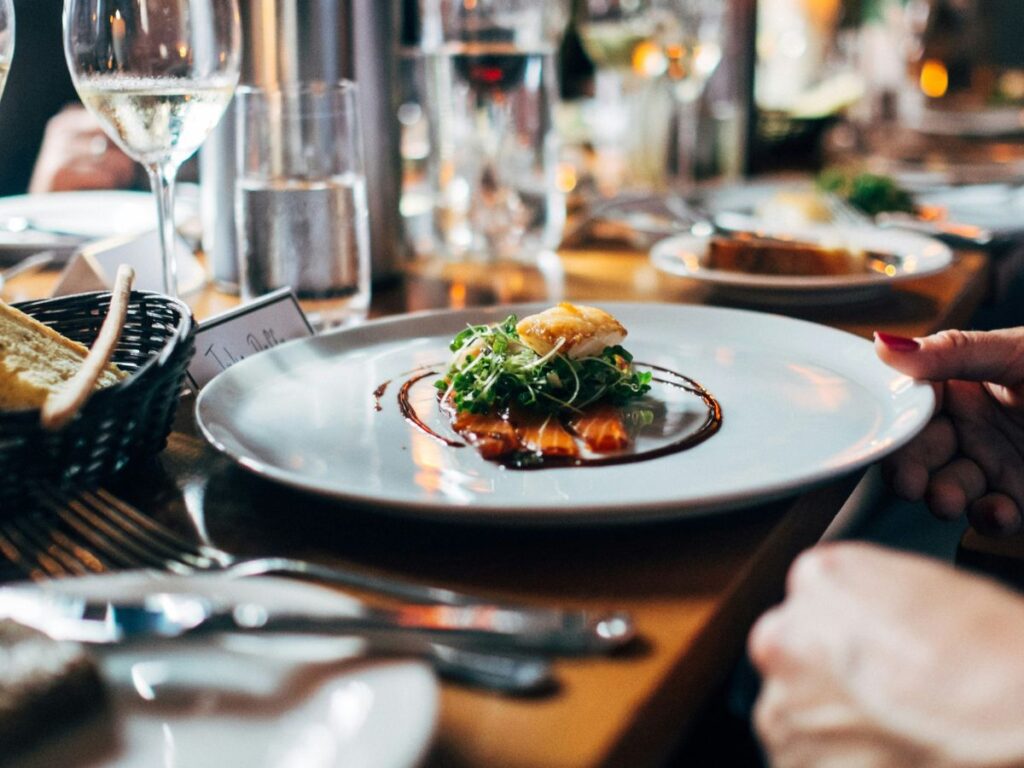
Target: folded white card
(244, 331)
(94, 265)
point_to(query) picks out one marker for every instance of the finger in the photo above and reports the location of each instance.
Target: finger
(996, 356)
(908, 470)
(996, 514)
(771, 716)
(765, 643)
(90, 144)
(72, 120)
(954, 488)
(996, 451)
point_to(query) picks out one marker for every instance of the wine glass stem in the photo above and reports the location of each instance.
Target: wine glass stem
(161, 177)
(685, 140)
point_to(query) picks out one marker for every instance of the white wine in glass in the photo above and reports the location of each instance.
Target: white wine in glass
(158, 77)
(6, 40)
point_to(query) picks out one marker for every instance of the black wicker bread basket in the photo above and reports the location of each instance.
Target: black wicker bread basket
(118, 424)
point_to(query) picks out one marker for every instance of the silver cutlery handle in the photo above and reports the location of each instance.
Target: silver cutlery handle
(549, 629)
(508, 674)
(481, 627)
(492, 671)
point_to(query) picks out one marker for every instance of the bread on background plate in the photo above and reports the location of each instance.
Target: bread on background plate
(35, 360)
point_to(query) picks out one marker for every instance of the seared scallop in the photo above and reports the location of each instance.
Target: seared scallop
(582, 331)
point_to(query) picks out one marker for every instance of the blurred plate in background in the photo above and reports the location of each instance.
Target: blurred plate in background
(904, 256)
(62, 221)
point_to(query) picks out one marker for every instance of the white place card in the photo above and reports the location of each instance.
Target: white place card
(93, 266)
(247, 330)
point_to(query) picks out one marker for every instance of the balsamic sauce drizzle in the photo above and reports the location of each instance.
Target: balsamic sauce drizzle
(523, 461)
(409, 412)
(378, 393)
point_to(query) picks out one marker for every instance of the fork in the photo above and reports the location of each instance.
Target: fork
(43, 552)
(104, 532)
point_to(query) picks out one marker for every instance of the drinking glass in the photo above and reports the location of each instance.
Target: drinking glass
(6, 40)
(491, 95)
(158, 76)
(617, 36)
(689, 34)
(672, 44)
(301, 208)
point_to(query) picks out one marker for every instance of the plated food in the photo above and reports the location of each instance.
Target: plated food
(802, 403)
(556, 388)
(764, 255)
(784, 265)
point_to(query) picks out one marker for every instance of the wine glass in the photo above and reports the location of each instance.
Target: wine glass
(491, 98)
(689, 33)
(675, 43)
(617, 36)
(158, 76)
(6, 40)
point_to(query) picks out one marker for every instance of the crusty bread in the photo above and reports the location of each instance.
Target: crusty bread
(35, 360)
(45, 686)
(769, 256)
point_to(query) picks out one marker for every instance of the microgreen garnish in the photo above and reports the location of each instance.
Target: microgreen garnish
(495, 371)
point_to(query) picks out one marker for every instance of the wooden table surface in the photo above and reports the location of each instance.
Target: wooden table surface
(693, 587)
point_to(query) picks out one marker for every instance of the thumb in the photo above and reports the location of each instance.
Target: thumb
(994, 356)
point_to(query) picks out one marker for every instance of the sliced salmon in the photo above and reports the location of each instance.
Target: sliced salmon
(601, 428)
(490, 434)
(544, 434)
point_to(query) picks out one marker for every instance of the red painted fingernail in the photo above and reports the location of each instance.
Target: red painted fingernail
(898, 343)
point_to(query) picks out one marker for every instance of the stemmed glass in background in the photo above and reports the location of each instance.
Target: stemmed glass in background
(6, 40)
(673, 43)
(158, 75)
(491, 95)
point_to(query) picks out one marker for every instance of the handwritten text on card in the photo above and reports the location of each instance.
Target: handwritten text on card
(256, 327)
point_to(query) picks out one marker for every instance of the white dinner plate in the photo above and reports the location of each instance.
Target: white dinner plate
(908, 256)
(77, 217)
(234, 701)
(801, 403)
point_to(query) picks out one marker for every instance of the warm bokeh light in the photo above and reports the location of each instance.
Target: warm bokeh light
(566, 177)
(648, 59)
(934, 79)
(457, 295)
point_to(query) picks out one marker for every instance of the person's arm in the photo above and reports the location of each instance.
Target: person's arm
(76, 154)
(886, 660)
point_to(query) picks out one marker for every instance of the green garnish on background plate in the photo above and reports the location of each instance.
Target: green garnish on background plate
(869, 192)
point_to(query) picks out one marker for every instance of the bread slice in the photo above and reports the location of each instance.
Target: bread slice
(35, 360)
(45, 687)
(758, 255)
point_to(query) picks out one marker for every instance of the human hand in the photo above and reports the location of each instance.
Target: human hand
(885, 660)
(970, 457)
(76, 154)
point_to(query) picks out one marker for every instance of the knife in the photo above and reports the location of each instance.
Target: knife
(168, 616)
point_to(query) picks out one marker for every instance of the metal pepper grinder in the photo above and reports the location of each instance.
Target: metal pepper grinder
(286, 42)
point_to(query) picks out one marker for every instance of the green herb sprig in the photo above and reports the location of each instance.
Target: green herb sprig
(498, 371)
(871, 193)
